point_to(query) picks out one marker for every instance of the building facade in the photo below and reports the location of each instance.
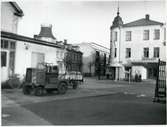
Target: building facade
(11, 13)
(58, 53)
(20, 52)
(135, 47)
(73, 58)
(95, 58)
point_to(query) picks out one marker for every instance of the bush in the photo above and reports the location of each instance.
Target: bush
(12, 82)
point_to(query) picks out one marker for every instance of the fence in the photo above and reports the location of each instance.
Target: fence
(160, 89)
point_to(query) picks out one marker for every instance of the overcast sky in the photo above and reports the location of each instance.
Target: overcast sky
(84, 21)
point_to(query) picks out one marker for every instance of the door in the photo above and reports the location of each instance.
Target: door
(37, 58)
(4, 65)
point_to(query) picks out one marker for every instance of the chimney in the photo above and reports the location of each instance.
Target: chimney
(46, 31)
(65, 41)
(147, 16)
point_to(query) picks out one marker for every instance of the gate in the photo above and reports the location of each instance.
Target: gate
(160, 89)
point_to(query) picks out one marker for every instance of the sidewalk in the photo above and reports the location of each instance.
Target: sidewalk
(120, 82)
(13, 114)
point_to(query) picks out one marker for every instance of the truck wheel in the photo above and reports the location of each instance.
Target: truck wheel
(26, 90)
(75, 85)
(62, 88)
(49, 91)
(39, 91)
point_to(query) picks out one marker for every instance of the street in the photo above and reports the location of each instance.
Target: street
(95, 102)
(83, 63)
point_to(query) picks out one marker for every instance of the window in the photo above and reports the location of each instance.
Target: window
(146, 35)
(115, 36)
(156, 52)
(115, 54)
(4, 44)
(146, 52)
(165, 34)
(57, 54)
(128, 35)
(156, 34)
(128, 52)
(12, 45)
(3, 59)
(11, 62)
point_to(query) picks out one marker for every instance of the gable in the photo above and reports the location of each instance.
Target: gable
(142, 22)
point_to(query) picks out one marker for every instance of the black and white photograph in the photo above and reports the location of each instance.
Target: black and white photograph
(83, 62)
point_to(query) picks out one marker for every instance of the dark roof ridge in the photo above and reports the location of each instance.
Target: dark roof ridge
(27, 39)
(18, 10)
(142, 22)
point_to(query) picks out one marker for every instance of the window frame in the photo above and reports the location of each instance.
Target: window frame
(128, 53)
(115, 52)
(157, 53)
(146, 52)
(146, 35)
(115, 35)
(128, 36)
(4, 62)
(155, 37)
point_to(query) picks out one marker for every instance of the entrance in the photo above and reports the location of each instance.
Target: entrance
(4, 65)
(113, 69)
(7, 58)
(36, 59)
(152, 73)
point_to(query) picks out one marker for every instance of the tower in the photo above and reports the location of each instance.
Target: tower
(117, 23)
(115, 33)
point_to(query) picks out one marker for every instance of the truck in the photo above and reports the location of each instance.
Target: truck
(46, 78)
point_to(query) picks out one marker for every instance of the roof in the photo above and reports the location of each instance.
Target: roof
(142, 22)
(46, 31)
(18, 10)
(96, 46)
(27, 39)
(117, 21)
(32, 40)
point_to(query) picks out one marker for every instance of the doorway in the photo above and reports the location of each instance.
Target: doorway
(4, 65)
(37, 58)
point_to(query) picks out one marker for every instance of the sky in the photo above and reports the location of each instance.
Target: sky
(84, 21)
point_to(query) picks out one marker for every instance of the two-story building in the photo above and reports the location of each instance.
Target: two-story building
(135, 47)
(95, 58)
(73, 58)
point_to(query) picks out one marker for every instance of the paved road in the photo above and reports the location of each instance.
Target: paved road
(94, 102)
(114, 109)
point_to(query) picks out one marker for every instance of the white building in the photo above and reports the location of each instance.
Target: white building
(90, 51)
(136, 46)
(20, 52)
(10, 15)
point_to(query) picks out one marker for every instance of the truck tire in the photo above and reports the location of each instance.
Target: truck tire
(75, 85)
(49, 91)
(26, 90)
(62, 88)
(39, 91)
